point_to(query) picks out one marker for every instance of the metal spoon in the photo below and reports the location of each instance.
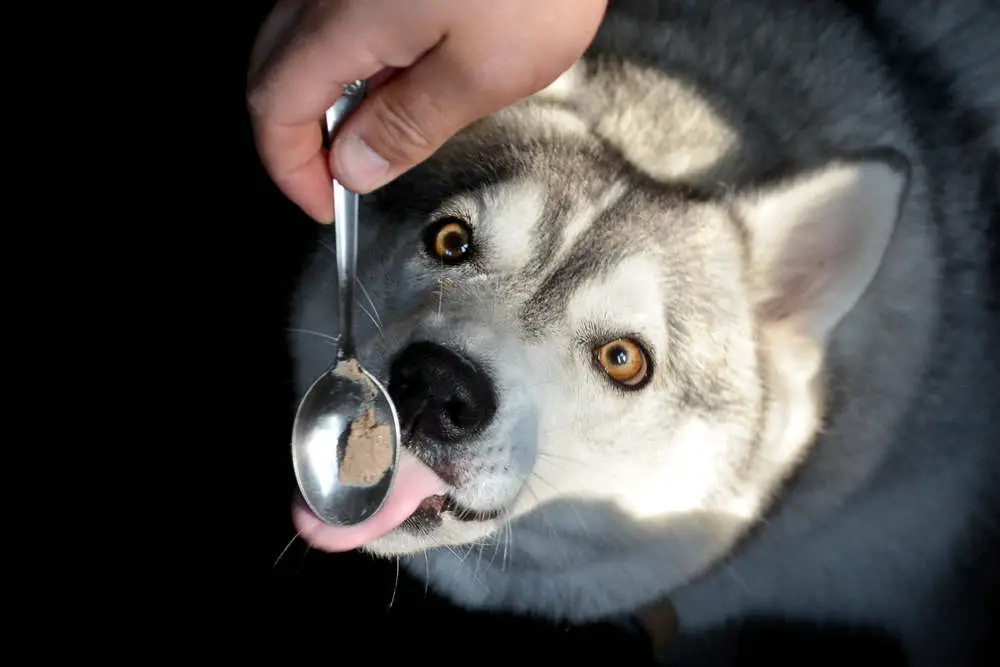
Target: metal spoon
(345, 391)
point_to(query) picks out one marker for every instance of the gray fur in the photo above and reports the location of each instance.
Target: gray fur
(631, 199)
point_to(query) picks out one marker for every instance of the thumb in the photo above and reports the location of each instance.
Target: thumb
(407, 118)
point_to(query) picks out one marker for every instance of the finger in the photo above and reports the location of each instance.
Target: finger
(295, 160)
(467, 76)
(408, 118)
(286, 108)
(332, 44)
(297, 72)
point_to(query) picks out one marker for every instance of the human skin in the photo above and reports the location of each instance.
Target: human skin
(433, 66)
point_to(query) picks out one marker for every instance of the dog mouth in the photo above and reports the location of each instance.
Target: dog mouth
(420, 496)
(418, 501)
(431, 511)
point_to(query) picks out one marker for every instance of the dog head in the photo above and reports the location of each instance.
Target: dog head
(570, 341)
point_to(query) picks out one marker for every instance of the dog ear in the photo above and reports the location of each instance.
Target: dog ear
(817, 241)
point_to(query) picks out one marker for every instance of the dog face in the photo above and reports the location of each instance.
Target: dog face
(585, 355)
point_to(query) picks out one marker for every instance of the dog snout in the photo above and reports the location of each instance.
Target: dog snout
(440, 394)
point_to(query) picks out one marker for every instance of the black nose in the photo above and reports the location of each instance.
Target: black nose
(439, 394)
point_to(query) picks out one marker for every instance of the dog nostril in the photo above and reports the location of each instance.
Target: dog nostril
(456, 411)
(405, 377)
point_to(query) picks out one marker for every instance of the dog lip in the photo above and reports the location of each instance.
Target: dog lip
(435, 506)
(462, 513)
(430, 514)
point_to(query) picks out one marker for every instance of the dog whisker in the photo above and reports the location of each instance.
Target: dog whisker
(479, 554)
(427, 573)
(374, 314)
(302, 559)
(474, 573)
(395, 585)
(378, 328)
(509, 549)
(318, 334)
(377, 317)
(557, 536)
(583, 524)
(497, 543)
(285, 550)
(560, 457)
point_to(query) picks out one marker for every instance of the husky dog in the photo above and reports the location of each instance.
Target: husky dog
(709, 318)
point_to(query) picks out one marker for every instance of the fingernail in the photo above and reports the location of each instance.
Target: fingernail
(358, 164)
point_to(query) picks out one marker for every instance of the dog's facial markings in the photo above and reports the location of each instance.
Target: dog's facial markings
(449, 240)
(625, 362)
(529, 342)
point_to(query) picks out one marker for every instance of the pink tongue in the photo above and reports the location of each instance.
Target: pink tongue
(414, 483)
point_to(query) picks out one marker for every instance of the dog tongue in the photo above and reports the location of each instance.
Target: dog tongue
(414, 483)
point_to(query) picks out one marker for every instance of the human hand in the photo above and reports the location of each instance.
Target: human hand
(433, 66)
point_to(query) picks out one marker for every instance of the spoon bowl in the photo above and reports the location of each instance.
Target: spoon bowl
(345, 438)
(320, 440)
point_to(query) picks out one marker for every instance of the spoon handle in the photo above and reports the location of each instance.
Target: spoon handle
(345, 217)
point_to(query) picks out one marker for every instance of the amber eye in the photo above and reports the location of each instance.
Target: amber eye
(449, 240)
(624, 361)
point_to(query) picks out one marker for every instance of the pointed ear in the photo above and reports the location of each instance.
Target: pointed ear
(816, 242)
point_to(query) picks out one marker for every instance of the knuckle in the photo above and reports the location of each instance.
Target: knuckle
(255, 103)
(259, 98)
(403, 136)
